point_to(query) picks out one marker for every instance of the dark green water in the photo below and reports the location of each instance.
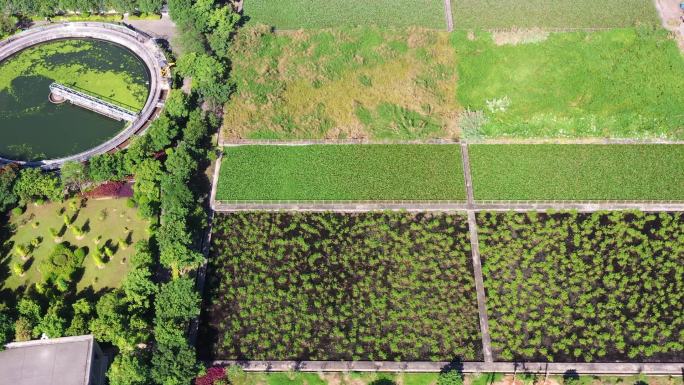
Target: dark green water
(32, 128)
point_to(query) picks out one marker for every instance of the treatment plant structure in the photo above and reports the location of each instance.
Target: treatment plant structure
(141, 44)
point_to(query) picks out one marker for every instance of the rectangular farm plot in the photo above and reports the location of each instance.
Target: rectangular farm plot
(618, 83)
(577, 172)
(367, 82)
(296, 14)
(514, 14)
(330, 286)
(342, 173)
(587, 287)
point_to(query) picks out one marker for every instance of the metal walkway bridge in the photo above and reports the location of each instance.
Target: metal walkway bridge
(91, 103)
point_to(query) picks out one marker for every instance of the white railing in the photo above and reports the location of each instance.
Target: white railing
(92, 103)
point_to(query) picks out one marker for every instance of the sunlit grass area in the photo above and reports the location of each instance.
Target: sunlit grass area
(107, 221)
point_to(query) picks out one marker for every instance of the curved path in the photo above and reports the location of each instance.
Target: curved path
(140, 44)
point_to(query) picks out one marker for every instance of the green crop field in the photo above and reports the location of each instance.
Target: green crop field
(577, 172)
(507, 14)
(349, 83)
(295, 14)
(602, 286)
(336, 286)
(342, 172)
(619, 83)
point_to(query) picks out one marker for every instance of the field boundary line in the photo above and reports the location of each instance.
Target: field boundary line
(571, 141)
(616, 368)
(477, 262)
(358, 206)
(303, 142)
(449, 16)
(214, 182)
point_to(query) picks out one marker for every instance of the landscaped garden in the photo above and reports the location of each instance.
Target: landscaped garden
(296, 14)
(342, 173)
(90, 240)
(601, 286)
(342, 83)
(326, 286)
(622, 83)
(515, 14)
(577, 172)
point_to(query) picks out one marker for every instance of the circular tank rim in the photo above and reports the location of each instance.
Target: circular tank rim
(139, 43)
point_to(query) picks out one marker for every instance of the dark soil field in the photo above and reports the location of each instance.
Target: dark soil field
(326, 286)
(605, 286)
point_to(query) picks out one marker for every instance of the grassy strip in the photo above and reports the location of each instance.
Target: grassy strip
(342, 172)
(577, 172)
(403, 378)
(601, 286)
(498, 14)
(295, 14)
(620, 83)
(349, 83)
(330, 286)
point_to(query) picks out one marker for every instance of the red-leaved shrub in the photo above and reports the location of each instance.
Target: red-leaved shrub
(213, 374)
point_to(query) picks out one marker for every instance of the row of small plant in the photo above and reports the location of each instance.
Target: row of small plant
(598, 286)
(326, 286)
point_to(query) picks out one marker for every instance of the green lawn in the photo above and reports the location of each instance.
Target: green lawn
(342, 172)
(506, 14)
(111, 228)
(295, 14)
(344, 83)
(349, 378)
(619, 83)
(577, 172)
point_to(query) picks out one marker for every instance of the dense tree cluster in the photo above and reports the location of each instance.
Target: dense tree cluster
(148, 317)
(52, 7)
(603, 286)
(207, 30)
(326, 286)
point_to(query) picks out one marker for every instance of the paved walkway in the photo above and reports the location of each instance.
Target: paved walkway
(675, 369)
(477, 264)
(303, 142)
(449, 15)
(351, 207)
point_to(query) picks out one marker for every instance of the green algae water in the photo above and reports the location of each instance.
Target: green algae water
(32, 128)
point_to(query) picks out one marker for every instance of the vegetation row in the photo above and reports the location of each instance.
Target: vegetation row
(342, 172)
(577, 172)
(467, 14)
(373, 286)
(601, 286)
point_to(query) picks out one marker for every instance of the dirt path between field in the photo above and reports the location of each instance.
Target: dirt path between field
(449, 15)
(671, 18)
(477, 263)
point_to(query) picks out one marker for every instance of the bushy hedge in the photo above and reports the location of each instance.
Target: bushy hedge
(328, 286)
(584, 287)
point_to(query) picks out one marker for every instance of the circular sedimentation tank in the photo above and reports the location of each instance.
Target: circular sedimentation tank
(109, 63)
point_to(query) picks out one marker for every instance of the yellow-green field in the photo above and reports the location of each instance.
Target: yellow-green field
(110, 219)
(343, 83)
